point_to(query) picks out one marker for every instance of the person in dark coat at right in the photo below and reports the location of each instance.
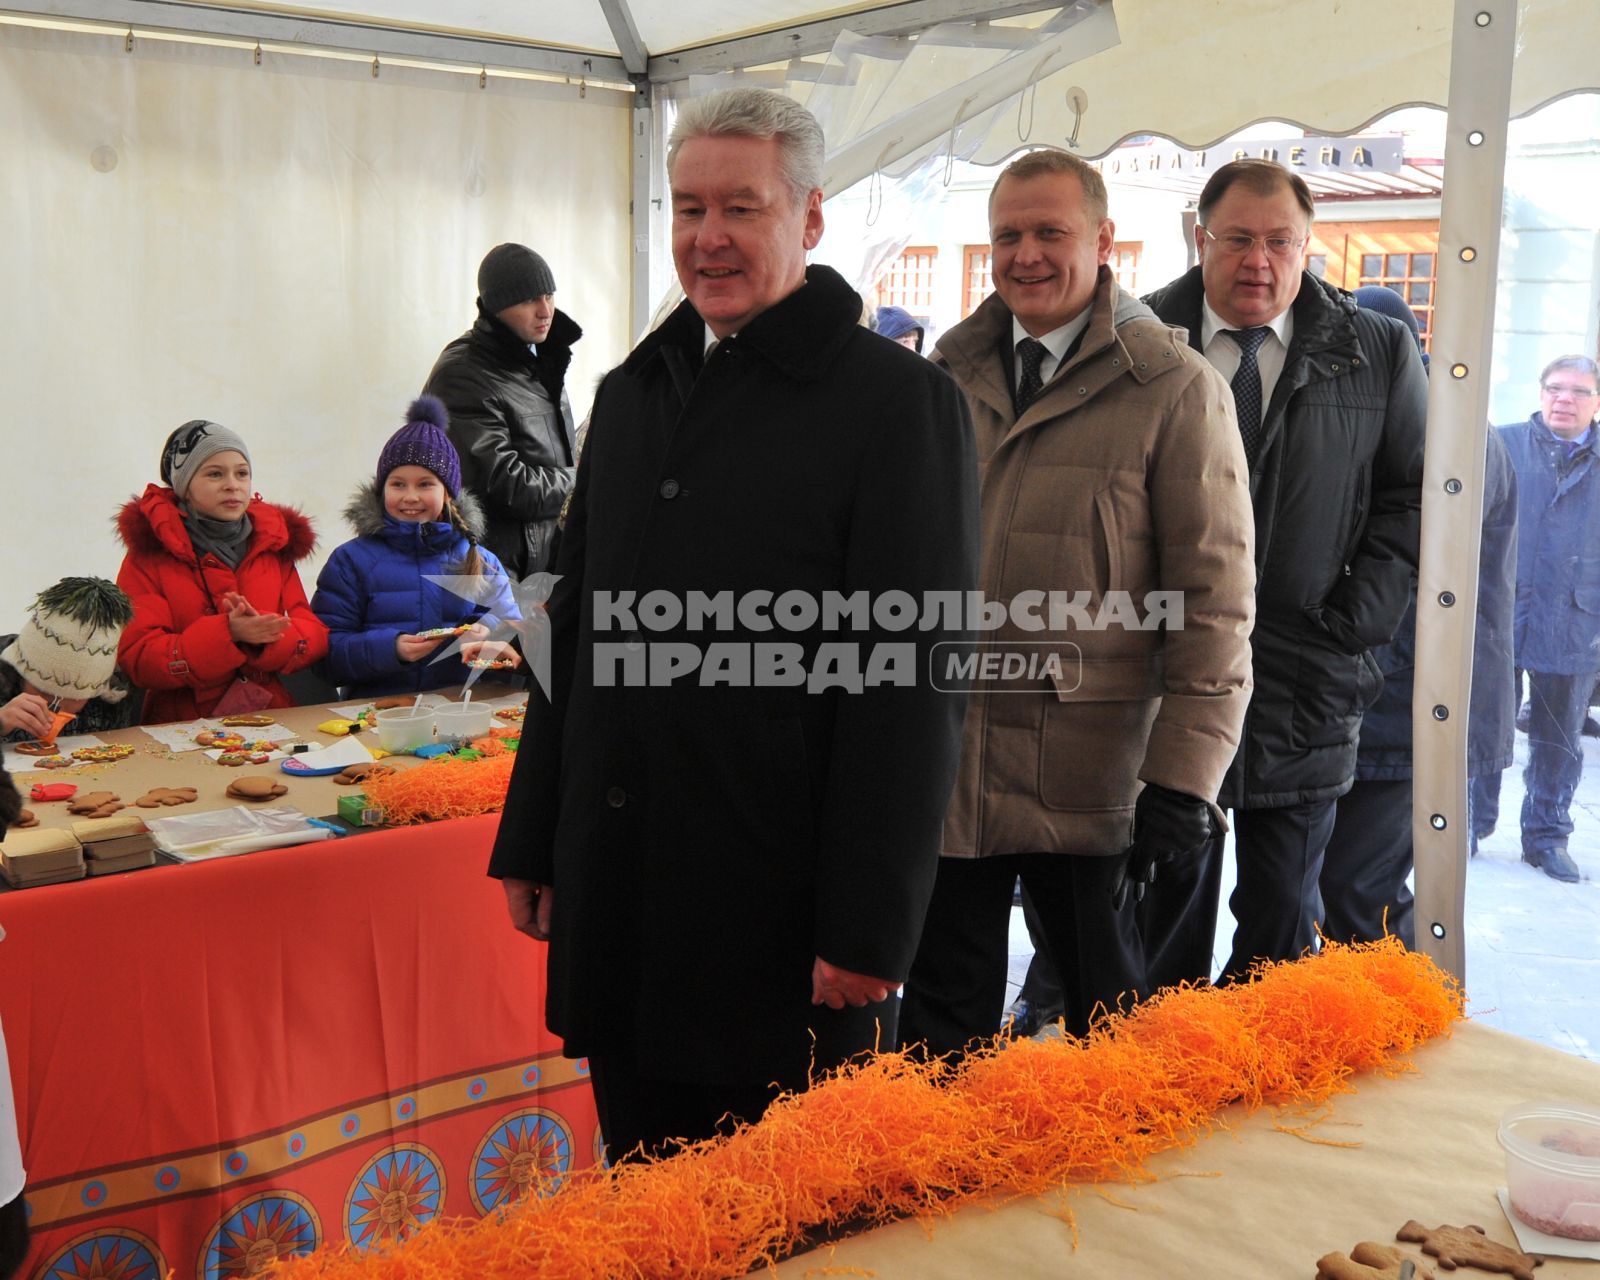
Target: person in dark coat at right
(1369, 858)
(1557, 626)
(1332, 404)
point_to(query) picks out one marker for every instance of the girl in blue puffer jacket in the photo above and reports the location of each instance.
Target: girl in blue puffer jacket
(388, 624)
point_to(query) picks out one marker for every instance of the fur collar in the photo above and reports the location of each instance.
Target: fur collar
(152, 523)
(365, 514)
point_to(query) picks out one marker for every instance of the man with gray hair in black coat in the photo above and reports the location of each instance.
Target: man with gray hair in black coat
(728, 835)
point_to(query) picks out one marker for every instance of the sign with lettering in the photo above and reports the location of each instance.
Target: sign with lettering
(1303, 155)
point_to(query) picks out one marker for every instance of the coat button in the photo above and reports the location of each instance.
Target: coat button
(669, 489)
(616, 797)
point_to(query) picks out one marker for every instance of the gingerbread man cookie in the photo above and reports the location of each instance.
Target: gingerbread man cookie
(1469, 1246)
(1368, 1261)
(156, 797)
(256, 786)
(361, 772)
(96, 804)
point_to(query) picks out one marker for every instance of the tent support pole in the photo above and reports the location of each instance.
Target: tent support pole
(1482, 53)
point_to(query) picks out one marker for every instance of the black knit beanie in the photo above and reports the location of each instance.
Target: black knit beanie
(512, 273)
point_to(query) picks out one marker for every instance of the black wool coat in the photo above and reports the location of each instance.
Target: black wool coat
(706, 842)
(1337, 491)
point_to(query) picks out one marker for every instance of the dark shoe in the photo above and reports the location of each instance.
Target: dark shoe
(1025, 1018)
(1523, 714)
(1555, 863)
(1591, 727)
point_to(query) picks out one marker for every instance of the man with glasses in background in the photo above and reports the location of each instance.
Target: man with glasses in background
(1332, 402)
(1556, 630)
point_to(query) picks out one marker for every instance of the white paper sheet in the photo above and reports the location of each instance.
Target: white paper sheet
(19, 763)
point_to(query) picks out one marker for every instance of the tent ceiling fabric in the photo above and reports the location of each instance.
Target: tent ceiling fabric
(573, 24)
(1331, 66)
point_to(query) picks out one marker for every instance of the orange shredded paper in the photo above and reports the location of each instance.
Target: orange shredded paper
(891, 1138)
(448, 787)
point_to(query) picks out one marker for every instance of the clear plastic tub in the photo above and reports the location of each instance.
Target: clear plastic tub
(463, 721)
(1553, 1167)
(405, 728)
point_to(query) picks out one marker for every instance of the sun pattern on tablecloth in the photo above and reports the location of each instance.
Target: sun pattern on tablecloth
(111, 1253)
(527, 1152)
(396, 1191)
(257, 1232)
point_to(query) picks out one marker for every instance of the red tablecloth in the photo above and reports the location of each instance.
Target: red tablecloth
(217, 1063)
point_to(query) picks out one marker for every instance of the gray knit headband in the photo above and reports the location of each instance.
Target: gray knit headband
(189, 446)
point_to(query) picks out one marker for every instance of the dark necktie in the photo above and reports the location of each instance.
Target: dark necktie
(1247, 387)
(1030, 354)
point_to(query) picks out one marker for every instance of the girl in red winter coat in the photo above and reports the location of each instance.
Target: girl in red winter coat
(219, 613)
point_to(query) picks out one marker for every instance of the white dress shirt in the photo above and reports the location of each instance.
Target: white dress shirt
(1223, 352)
(1055, 342)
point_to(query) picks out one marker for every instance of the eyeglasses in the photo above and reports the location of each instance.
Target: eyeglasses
(1561, 389)
(1238, 245)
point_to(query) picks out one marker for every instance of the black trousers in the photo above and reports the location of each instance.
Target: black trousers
(1368, 859)
(1040, 987)
(957, 989)
(13, 1237)
(645, 1111)
(1276, 901)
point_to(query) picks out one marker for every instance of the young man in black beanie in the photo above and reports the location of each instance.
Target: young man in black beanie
(504, 384)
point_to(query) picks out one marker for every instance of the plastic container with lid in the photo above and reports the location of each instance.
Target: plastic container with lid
(1553, 1167)
(463, 721)
(405, 728)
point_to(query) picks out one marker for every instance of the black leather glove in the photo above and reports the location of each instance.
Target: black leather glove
(1166, 825)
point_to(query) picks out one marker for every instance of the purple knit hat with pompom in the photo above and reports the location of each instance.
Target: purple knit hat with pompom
(422, 442)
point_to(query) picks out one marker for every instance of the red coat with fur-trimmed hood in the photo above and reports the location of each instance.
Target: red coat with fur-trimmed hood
(178, 647)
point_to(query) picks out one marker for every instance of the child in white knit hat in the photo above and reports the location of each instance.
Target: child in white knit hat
(65, 658)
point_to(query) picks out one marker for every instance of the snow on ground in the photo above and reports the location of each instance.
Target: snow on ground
(1533, 944)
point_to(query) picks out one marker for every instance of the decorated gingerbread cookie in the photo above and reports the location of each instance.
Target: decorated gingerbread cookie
(216, 738)
(1469, 1246)
(168, 796)
(243, 756)
(512, 713)
(256, 786)
(35, 748)
(253, 721)
(106, 753)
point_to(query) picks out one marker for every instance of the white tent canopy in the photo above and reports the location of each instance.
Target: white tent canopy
(274, 218)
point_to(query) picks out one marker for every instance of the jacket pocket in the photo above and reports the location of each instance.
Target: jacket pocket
(1095, 729)
(1332, 688)
(1109, 553)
